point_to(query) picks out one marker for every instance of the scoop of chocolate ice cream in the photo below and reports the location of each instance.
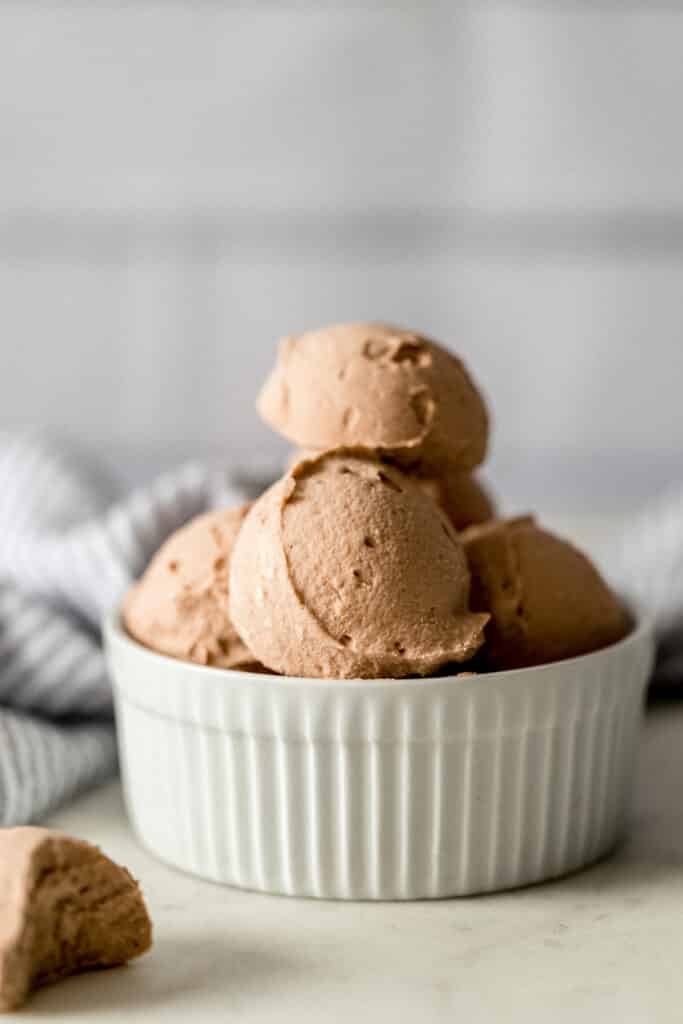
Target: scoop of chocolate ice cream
(64, 907)
(377, 386)
(546, 599)
(345, 569)
(180, 605)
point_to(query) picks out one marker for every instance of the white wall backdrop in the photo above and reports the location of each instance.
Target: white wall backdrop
(182, 182)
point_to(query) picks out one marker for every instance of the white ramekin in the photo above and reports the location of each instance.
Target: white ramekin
(379, 789)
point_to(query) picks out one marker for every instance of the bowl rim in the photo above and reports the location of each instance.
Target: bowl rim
(114, 631)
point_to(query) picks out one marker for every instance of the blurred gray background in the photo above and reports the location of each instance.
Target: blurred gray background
(183, 182)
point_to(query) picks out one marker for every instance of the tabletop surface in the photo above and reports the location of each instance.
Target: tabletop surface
(602, 944)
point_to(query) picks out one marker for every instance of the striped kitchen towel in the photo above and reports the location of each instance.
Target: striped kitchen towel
(67, 554)
(645, 562)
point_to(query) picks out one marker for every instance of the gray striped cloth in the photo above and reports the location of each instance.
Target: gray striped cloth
(66, 556)
(645, 561)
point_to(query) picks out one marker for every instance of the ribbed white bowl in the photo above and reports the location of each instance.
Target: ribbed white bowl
(379, 789)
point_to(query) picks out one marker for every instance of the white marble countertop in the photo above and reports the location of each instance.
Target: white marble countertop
(601, 945)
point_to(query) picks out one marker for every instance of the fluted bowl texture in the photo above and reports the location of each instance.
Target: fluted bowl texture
(379, 789)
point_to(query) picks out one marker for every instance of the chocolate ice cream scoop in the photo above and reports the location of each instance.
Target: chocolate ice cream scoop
(64, 908)
(546, 599)
(180, 605)
(462, 496)
(377, 386)
(344, 569)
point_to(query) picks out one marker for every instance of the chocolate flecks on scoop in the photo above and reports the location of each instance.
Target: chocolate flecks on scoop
(389, 482)
(413, 352)
(349, 417)
(375, 349)
(423, 406)
(409, 350)
(449, 533)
